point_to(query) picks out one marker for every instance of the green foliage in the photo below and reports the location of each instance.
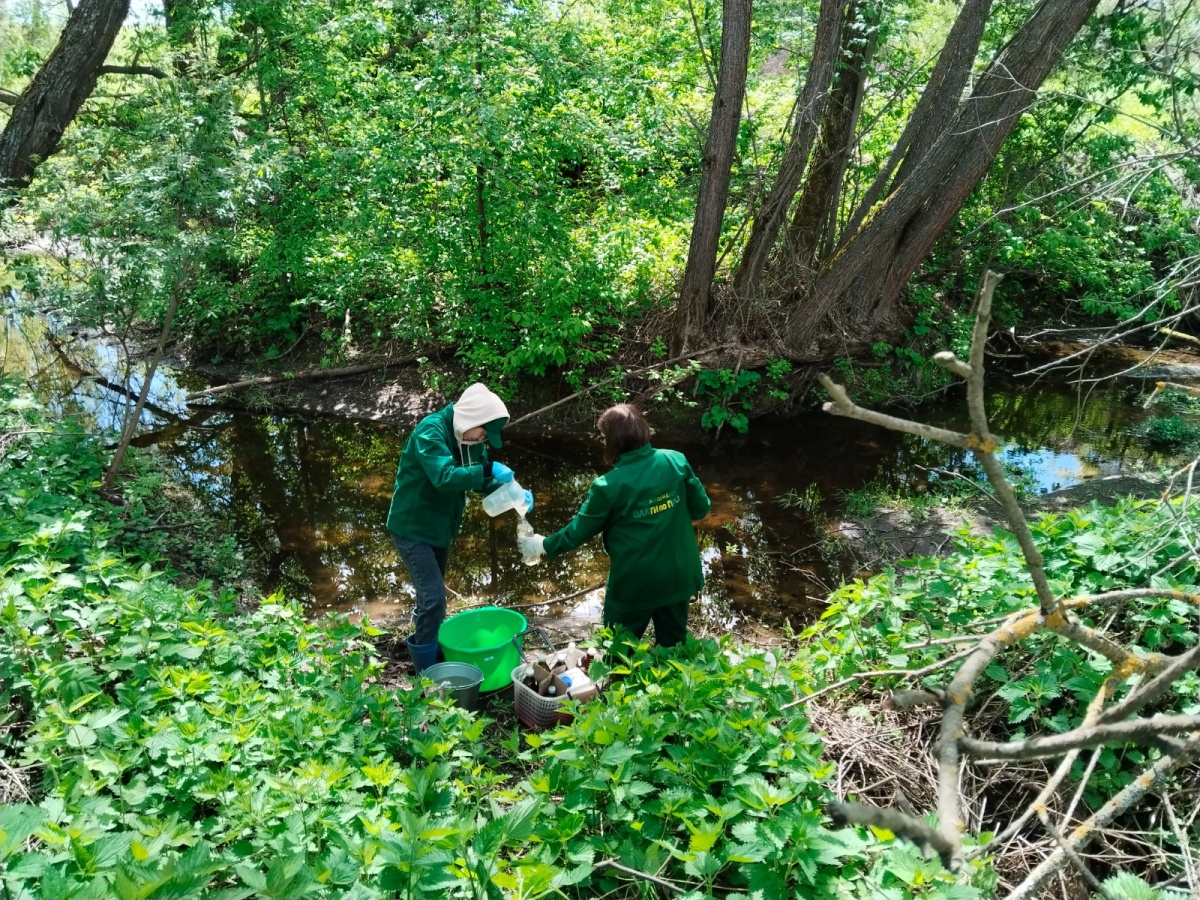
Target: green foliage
(731, 394)
(186, 750)
(888, 621)
(1169, 433)
(1127, 886)
(499, 181)
(809, 500)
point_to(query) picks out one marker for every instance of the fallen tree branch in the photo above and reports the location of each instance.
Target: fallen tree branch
(133, 70)
(1185, 845)
(607, 381)
(900, 824)
(1163, 385)
(1155, 688)
(1111, 683)
(1133, 594)
(1137, 731)
(1071, 855)
(1117, 804)
(644, 876)
(841, 405)
(298, 376)
(1052, 614)
(1179, 335)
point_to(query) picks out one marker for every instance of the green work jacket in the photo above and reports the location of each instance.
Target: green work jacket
(644, 506)
(432, 480)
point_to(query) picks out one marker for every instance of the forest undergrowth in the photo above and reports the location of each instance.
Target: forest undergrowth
(158, 742)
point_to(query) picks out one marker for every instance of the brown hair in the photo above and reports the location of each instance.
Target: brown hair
(623, 428)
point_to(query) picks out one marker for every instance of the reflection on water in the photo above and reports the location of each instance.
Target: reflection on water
(85, 378)
(307, 499)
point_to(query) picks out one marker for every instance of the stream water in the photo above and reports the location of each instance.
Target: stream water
(305, 498)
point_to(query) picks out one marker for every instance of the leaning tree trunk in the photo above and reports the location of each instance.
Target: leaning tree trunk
(62, 84)
(813, 99)
(814, 224)
(692, 311)
(865, 278)
(937, 106)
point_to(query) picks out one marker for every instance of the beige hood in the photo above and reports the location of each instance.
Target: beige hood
(479, 406)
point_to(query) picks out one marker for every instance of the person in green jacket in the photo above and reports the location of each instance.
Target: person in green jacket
(445, 456)
(644, 507)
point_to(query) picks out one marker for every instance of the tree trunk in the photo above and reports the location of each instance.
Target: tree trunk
(938, 104)
(134, 417)
(813, 99)
(814, 224)
(693, 309)
(54, 96)
(180, 16)
(895, 239)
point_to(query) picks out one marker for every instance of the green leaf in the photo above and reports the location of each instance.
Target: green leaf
(17, 822)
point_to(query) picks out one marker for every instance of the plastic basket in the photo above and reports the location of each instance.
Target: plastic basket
(535, 711)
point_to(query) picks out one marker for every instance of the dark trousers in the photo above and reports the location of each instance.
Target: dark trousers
(426, 566)
(670, 622)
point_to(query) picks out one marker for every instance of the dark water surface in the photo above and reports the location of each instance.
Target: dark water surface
(306, 498)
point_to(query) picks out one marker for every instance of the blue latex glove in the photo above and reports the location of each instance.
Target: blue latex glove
(501, 473)
(528, 501)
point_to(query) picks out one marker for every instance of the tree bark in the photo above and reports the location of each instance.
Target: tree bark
(827, 47)
(814, 224)
(52, 99)
(693, 308)
(938, 104)
(898, 235)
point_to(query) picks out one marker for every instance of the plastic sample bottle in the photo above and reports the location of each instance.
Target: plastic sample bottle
(524, 529)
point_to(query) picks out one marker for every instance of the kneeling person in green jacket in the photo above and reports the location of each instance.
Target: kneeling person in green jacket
(444, 458)
(644, 507)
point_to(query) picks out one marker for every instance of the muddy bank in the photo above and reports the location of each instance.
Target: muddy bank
(401, 393)
(304, 492)
(899, 531)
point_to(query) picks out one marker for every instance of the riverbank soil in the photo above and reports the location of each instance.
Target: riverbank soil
(900, 531)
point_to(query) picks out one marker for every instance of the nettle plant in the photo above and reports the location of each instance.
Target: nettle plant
(171, 747)
(1084, 625)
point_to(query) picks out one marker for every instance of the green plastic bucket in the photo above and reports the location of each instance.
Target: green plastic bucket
(484, 638)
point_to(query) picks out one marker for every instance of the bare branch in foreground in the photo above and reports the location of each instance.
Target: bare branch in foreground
(1074, 857)
(1155, 688)
(900, 824)
(644, 876)
(1117, 804)
(1137, 731)
(1053, 614)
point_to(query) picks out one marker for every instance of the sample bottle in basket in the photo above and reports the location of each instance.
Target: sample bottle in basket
(529, 679)
(573, 656)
